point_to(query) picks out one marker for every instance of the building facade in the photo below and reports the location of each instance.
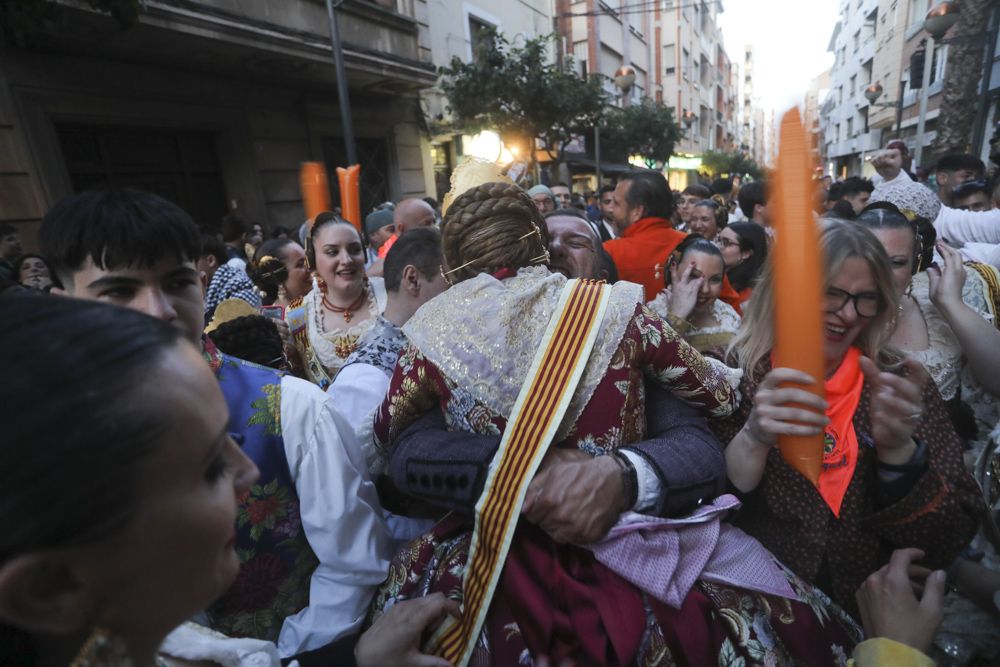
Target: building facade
(214, 105)
(848, 137)
(452, 28)
(874, 44)
(697, 76)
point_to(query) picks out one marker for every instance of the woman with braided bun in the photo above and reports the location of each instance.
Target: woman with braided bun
(280, 272)
(618, 600)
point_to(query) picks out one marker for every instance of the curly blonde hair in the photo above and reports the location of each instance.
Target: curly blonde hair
(490, 227)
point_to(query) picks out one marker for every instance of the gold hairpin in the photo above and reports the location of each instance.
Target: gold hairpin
(544, 258)
(445, 273)
(534, 231)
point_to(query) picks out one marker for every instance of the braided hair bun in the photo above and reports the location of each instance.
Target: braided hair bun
(490, 227)
(267, 268)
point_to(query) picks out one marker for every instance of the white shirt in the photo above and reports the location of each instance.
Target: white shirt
(976, 234)
(959, 227)
(341, 517)
(358, 391)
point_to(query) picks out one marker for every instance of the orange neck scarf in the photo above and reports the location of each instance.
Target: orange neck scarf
(840, 443)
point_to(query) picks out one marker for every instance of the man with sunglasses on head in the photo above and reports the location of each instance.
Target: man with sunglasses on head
(972, 196)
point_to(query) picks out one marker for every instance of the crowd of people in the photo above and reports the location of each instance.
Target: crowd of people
(523, 427)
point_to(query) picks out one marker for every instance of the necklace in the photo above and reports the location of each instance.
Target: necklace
(349, 309)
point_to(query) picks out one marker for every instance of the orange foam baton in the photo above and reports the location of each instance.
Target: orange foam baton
(315, 189)
(798, 284)
(350, 197)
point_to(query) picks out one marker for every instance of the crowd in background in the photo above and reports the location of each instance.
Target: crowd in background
(320, 507)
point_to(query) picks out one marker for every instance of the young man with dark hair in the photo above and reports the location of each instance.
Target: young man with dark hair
(641, 209)
(412, 275)
(954, 169)
(234, 234)
(972, 196)
(139, 251)
(563, 195)
(222, 280)
(753, 202)
(605, 223)
(855, 191)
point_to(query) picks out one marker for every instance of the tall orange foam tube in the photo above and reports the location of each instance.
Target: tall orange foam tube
(798, 283)
(350, 196)
(315, 189)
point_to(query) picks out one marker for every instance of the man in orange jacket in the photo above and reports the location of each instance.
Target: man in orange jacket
(641, 210)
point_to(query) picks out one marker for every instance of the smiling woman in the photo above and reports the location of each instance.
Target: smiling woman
(343, 304)
(892, 464)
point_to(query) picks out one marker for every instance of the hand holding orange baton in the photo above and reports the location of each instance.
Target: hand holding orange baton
(798, 284)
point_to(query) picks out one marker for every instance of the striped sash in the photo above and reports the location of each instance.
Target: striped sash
(536, 415)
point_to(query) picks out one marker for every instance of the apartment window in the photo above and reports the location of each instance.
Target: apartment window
(857, 40)
(836, 132)
(478, 31)
(685, 62)
(850, 127)
(670, 58)
(940, 65)
(854, 81)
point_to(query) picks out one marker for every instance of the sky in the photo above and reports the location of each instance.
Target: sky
(789, 38)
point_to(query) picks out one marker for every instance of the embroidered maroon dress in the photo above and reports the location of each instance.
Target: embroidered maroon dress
(471, 350)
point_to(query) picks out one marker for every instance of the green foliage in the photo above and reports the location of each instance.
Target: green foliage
(21, 21)
(734, 162)
(647, 129)
(515, 91)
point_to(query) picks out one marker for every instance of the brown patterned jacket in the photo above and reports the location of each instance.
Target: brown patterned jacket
(938, 513)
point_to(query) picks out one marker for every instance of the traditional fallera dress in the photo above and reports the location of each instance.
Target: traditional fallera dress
(472, 348)
(967, 629)
(324, 352)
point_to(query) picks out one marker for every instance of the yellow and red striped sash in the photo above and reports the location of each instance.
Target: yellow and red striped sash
(539, 409)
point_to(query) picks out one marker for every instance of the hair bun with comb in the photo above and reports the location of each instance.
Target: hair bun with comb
(490, 227)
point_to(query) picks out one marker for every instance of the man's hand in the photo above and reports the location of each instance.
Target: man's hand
(575, 497)
(394, 639)
(890, 609)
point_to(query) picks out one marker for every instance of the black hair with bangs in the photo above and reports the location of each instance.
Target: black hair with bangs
(116, 228)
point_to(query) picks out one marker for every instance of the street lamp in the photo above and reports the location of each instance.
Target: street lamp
(874, 91)
(624, 78)
(937, 22)
(940, 19)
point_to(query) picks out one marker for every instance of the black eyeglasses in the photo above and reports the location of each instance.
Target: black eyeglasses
(866, 304)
